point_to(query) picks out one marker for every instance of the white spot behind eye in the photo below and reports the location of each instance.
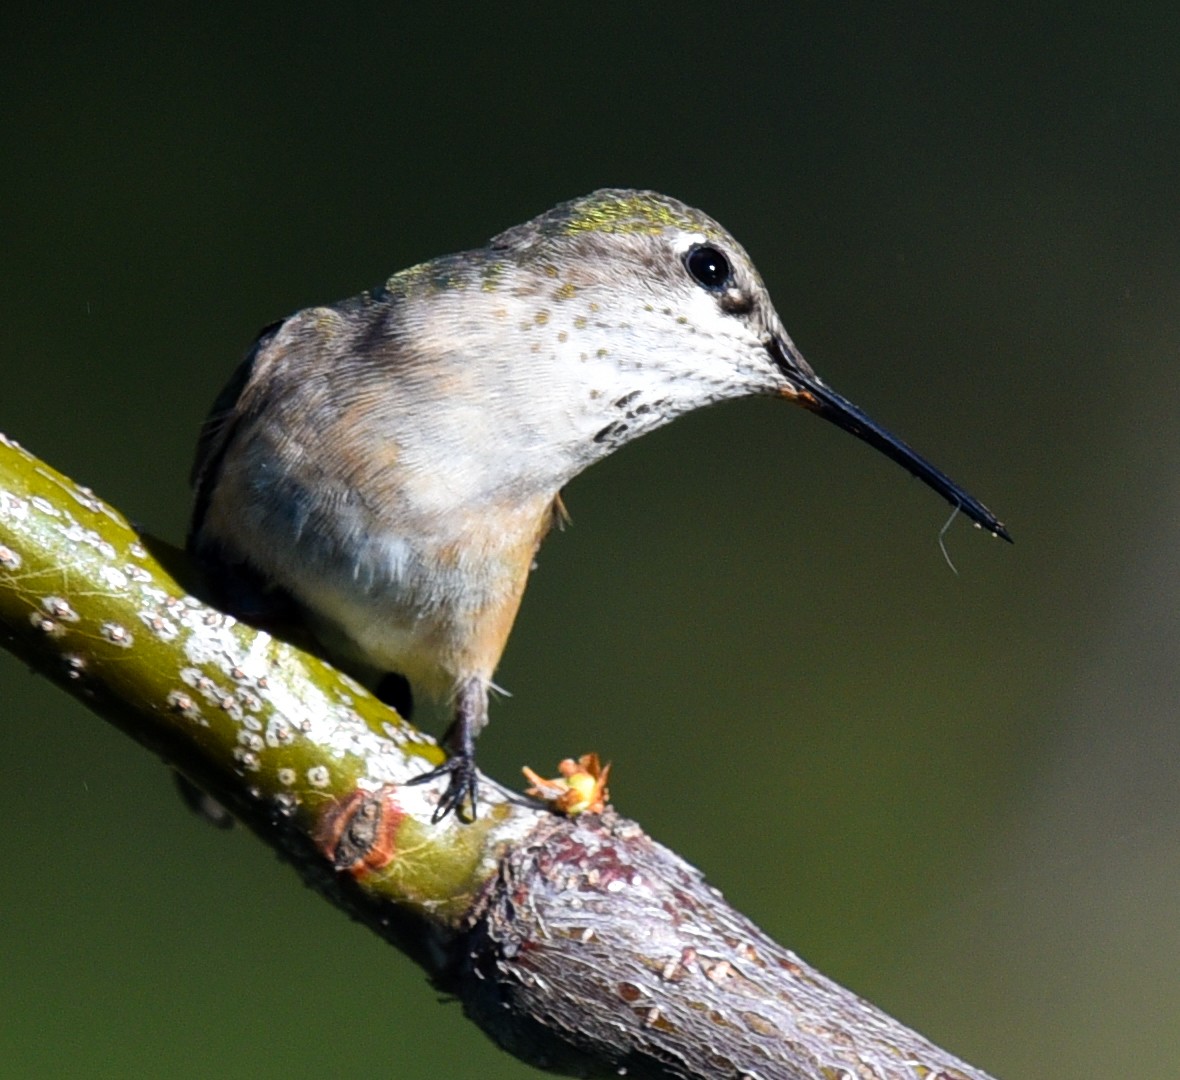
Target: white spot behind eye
(686, 240)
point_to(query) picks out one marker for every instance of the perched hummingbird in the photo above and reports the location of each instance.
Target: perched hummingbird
(391, 463)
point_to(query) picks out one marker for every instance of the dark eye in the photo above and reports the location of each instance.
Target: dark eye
(708, 266)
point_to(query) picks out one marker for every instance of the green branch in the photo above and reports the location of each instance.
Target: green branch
(578, 944)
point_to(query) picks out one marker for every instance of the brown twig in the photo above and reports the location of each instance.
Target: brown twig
(578, 943)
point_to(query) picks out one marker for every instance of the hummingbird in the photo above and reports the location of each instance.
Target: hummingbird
(388, 465)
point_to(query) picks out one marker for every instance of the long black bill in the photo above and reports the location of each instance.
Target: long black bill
(812, 394)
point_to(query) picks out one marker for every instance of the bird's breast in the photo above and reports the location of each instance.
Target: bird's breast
(390, 582)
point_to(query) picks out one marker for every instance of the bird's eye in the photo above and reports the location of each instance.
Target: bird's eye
(708, 267)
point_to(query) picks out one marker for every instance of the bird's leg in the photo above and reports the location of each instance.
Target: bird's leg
(471, 716)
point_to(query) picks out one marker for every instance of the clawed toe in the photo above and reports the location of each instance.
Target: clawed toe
(459, 797)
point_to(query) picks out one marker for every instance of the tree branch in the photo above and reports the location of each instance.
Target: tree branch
(578, 944)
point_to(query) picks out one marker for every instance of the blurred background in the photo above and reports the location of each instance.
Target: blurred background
(957, 795)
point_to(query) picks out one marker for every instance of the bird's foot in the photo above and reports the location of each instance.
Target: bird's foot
(201, 803)
(459, 796)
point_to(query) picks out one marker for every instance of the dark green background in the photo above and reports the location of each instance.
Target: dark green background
(960, 795)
